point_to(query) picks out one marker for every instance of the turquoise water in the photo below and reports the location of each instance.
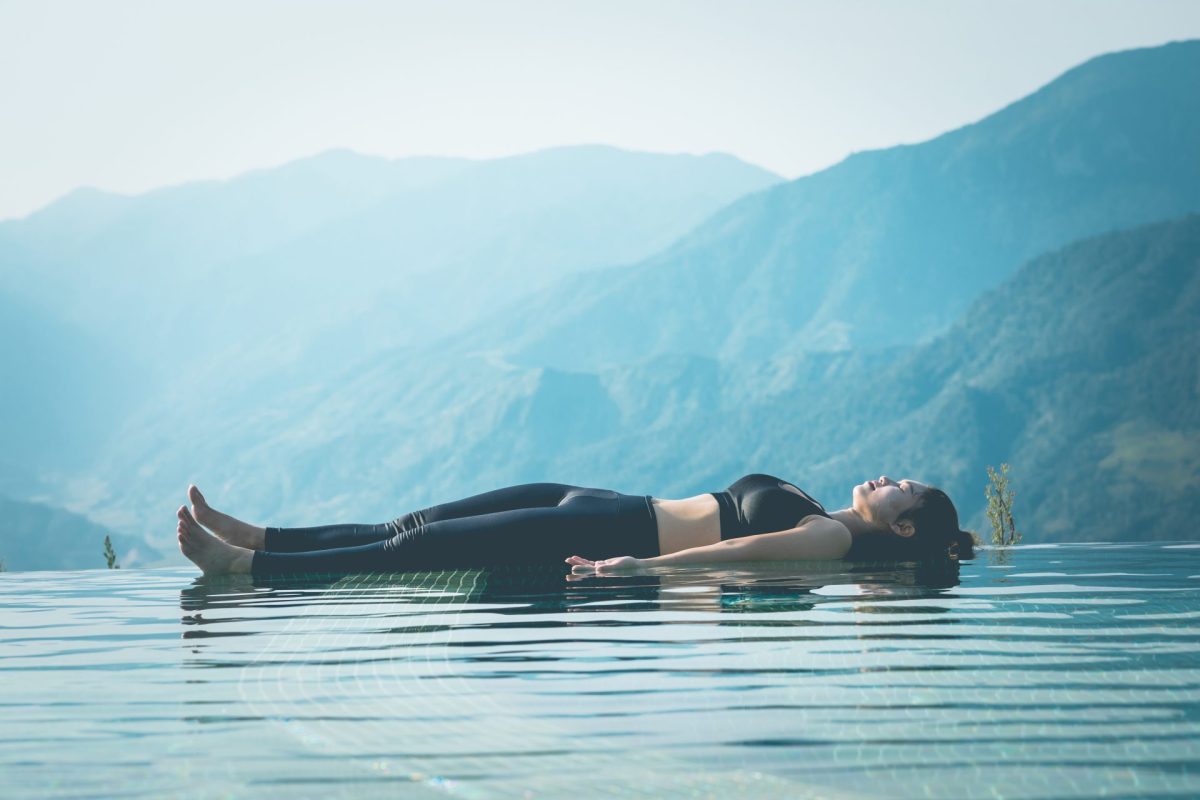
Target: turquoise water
(1038, 672)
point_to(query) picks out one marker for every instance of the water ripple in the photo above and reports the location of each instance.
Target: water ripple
(1040, 671)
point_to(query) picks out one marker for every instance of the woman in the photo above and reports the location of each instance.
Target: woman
(758, 518)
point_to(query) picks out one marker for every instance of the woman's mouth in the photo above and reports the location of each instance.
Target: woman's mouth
(871, 484)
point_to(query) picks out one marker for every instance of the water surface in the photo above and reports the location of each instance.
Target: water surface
(1039, 672)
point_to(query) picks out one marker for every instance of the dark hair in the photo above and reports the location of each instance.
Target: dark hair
(937, 536)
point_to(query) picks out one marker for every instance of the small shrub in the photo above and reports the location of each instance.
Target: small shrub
(999, 507)
(110, 555)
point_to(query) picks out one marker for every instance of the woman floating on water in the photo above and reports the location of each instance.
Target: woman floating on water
(758, 518)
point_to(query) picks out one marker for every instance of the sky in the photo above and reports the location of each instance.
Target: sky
(129, 96)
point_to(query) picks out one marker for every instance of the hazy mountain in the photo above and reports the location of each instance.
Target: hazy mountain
(228, 284)
(89, 285)
(420, 266)
(888, 247)
(204, 222)
(38, 536)
(346, 229)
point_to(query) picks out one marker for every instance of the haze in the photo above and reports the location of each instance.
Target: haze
(128, 96)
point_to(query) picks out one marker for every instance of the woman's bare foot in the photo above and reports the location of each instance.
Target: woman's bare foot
(209, 553)
(234, 531)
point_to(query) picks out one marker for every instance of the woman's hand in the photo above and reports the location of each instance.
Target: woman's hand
(581, 565)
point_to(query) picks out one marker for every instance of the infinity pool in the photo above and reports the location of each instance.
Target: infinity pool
(1035, 672)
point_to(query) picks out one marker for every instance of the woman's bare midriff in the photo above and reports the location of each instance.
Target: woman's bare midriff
(690, 522)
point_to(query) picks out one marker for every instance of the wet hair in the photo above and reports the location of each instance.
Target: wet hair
(937, 535)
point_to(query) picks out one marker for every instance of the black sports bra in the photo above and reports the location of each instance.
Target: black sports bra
(761, 503)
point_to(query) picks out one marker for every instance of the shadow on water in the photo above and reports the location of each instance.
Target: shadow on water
(542, 590)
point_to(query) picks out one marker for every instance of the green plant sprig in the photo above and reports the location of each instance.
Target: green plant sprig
(110, 555)
(999, 507)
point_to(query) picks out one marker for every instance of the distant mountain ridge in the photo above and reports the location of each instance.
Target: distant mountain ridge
(204, 281)
(890, 246)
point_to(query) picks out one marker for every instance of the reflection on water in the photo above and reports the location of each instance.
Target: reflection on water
(1058, 671)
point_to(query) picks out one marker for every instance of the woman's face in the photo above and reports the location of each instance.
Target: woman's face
(881, 501)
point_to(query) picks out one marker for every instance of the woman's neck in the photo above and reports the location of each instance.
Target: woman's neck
(854, 522)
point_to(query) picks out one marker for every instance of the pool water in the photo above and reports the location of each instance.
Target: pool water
(1050, 671)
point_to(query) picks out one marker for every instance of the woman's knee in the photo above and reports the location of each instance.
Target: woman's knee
(545, 490)
(404, 522)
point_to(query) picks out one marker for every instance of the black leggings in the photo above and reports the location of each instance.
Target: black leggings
(529, 523)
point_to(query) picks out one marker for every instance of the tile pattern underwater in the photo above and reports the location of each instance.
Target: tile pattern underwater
(1041, 671)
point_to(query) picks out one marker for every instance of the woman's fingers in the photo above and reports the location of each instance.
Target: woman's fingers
(581, 565)
(585, 565)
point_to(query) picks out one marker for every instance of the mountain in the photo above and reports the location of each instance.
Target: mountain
(202, 282)
(889, 247)
(207, 221)
(420, 266)
(346, 229)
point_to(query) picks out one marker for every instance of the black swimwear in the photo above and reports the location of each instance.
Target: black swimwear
(761, 503)
(529, 523)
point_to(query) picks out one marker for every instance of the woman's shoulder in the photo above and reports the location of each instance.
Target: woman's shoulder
(827, 528)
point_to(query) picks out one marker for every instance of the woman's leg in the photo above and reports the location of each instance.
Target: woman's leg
(588, 522)
(324, 537)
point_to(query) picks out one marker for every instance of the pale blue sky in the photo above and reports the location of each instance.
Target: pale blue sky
(127, 96)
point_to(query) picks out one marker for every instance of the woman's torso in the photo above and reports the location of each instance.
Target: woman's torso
(690, 522)
(755, 503)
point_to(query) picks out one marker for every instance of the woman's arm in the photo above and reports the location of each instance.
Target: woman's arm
(814, 539)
